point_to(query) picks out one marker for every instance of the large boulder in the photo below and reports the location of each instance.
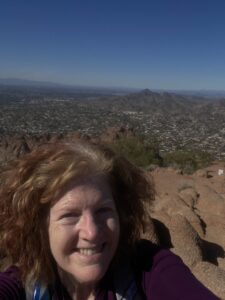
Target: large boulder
(210, 201)
(185, 240)
(175, 205)
(215, 228)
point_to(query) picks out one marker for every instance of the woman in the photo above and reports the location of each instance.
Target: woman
(72, 216)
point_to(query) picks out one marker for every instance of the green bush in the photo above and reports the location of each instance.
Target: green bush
(187, 160)
(135, 150)
(145, 154)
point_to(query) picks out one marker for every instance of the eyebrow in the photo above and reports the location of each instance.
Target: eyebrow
(108, 201)
(70, 207)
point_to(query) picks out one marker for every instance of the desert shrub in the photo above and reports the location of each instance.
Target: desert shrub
(187, 160)
(137, 151)
(146, 154)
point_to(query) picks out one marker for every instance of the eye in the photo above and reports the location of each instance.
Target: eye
(103, 210)
(69, 217)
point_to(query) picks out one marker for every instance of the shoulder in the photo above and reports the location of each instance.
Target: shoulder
(165, 276)
(11, 287)
(150, 255)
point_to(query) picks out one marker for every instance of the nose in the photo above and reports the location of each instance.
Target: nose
(89, 227)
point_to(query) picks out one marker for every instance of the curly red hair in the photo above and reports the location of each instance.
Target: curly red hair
(30, 184)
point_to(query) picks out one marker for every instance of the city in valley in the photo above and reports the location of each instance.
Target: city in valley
(176, 121)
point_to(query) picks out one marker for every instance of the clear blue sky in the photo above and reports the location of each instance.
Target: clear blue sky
(169, 44)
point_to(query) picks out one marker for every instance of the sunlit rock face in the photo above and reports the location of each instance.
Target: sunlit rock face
(189, 218)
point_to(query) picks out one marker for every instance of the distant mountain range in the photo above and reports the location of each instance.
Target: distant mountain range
(16, 82)
(26, 82)
(111, 90)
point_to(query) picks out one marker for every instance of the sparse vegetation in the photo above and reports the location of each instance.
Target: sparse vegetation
(187, 160)
(136, 150)
(144, 155)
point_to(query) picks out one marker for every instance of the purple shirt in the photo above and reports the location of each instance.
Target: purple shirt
(163, 275)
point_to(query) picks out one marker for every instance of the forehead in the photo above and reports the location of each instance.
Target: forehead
(85, 192)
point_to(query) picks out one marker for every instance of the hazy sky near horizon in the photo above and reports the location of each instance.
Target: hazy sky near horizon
(165, 44)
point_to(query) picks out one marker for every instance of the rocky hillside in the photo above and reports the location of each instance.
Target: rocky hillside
(189, 218)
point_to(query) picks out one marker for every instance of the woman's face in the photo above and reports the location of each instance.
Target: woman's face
(84, 230)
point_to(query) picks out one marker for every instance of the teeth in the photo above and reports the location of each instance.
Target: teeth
(88, 251)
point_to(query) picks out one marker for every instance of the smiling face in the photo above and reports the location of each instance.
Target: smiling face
(84, 230)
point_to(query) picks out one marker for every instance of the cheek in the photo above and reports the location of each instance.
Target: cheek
(60, 239)
(54, 238)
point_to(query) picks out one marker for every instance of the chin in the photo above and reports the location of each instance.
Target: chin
(89, 275)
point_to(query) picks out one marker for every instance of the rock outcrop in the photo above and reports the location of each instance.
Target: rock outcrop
(189, 218)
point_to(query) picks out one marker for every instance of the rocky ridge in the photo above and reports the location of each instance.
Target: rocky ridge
(189, 218)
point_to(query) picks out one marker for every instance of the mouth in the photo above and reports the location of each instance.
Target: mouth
(88, 251)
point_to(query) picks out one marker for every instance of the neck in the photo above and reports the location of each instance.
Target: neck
(77, 291)
(85, 293)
